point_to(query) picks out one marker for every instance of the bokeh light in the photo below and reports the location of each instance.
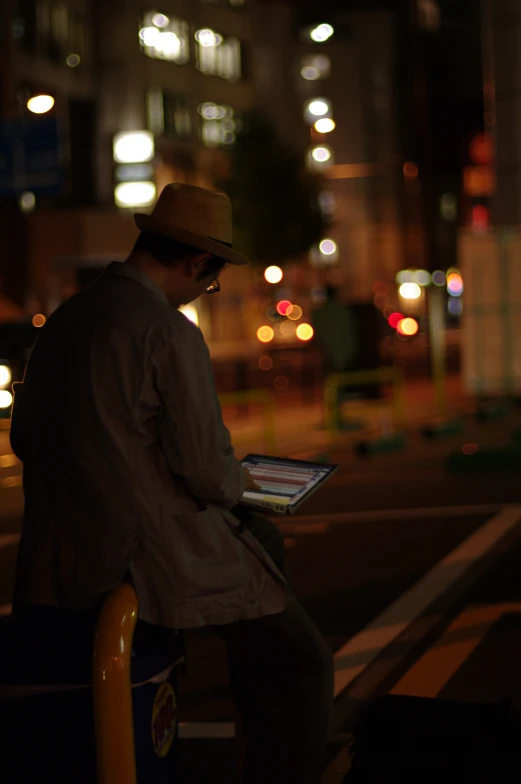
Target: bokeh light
(287, 328)
(304, 331)
(438, 278)
(407, 326)
(422, 277)
(404, 276)
(394, 319)
(134, 194)
(39, 320)
(410, 291)
(325, 125)
(265, 363)
(295, 313)
(469, 449)
(5, 375)
(310, 73)
(27, 201)
(455, 306)
(328, 247)
(133, 147)
(281, 382)
(455, 284)
(6, 398)
(321, 154)
(318, 107)
(273, 274)
(284, 307)
(40, 104)
(73, 60)
(321, 33)
(410, 170)
(265, 334)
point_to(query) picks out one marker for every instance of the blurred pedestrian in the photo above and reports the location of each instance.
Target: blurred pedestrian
(335, 332)
(129, 474)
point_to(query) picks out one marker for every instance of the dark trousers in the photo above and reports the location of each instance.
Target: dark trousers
(281, 679)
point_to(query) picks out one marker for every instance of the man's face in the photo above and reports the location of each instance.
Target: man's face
(188, 280)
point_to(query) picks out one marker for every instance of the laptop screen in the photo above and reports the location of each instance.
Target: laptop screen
(284, 480)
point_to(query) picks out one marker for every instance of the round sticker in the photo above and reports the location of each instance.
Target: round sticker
(164, 719)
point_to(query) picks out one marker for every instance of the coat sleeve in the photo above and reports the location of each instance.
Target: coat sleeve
(196, 443)
(20, 425)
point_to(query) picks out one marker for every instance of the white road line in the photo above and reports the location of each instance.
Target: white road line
(376, 515)
(429, 674)
(7, 540)
(356, 655)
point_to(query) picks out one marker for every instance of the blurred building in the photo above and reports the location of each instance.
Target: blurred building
(112, 67)
(186, 73)
(347, 83)
(490, 251)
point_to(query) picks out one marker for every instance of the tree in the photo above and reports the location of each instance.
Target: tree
(276, 214)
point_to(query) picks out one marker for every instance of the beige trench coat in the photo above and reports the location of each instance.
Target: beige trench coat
(129, 472)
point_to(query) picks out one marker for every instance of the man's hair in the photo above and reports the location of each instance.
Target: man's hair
(168, 251)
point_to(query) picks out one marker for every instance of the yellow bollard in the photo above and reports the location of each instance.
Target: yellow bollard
(112, 689)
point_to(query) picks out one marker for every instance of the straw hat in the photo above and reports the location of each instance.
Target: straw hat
(195, 216)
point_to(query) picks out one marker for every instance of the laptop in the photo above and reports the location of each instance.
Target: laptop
(285, 483)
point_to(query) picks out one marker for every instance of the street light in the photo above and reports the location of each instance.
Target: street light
(40, 104)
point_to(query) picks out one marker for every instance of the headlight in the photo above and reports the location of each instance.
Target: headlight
(6, 398)
(5, 376)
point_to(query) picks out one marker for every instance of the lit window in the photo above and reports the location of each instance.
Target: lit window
(315, 67)
(217, 56)
(164, 38)
(169, 114)
(219, 124)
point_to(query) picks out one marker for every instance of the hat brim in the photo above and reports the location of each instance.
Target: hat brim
(146, 222)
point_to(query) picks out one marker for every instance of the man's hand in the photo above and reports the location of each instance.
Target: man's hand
(251, 484)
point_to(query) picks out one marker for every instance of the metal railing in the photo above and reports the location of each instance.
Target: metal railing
(112, 689)
(359, 378)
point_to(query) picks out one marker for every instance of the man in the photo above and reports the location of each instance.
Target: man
(129, 473)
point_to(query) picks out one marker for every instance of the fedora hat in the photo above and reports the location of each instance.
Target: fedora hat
(195, 216)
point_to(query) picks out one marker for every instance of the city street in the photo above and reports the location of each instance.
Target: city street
(387, 554)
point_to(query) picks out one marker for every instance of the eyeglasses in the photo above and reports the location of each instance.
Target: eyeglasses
(214, 287)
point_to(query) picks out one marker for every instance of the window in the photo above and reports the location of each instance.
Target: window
(217, 56)
(169, 114)
(219, 124)
(50, 28)
(164, 38)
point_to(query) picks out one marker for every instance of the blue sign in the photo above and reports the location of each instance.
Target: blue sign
(31, 156)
